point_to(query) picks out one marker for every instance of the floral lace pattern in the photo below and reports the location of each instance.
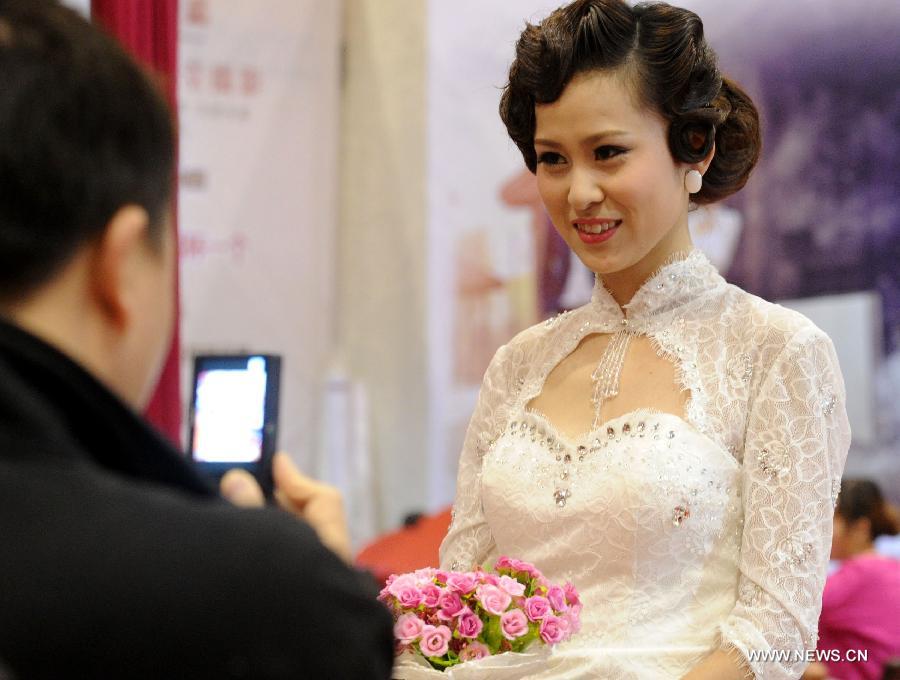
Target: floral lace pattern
(715, 536)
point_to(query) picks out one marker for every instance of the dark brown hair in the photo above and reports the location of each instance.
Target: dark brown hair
(663, 51)
(862, 499)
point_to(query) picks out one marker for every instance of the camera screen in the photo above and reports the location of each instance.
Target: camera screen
(229, 412)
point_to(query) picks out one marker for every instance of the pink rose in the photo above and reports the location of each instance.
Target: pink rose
(396, 584)
(408, 628)
(430, 595)
(511, 586)
(513, 624)
(571, 594)
(524, 567)
(503, 562)
(573, 619)
(553, 629)
(450, 604)
(407, 592)
(493, 599)
(474, 651)
(425, 574)
(537, 607)
(491, 579)
(435, 640)
(461, 583)
(441, 576)
(557, 597)
(468, 624)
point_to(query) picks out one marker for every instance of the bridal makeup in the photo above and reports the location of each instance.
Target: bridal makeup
(607, 178)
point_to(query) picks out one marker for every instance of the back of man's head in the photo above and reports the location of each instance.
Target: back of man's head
(83, 132)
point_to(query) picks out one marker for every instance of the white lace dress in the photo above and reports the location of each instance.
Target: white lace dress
(683, 535)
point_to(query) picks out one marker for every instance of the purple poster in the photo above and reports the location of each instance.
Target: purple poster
(820, 218)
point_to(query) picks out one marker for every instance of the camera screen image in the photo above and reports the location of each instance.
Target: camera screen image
(229, 413)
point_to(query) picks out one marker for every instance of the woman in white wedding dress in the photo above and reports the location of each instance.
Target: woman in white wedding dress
(674, 447)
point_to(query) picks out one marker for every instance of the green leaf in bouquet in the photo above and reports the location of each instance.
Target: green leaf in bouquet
(522, 643)
(493, 635)
(442, 662)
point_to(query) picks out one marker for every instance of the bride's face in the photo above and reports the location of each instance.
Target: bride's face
(604, 166)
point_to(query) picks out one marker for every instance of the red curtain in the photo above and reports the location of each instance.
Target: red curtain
(149, 30)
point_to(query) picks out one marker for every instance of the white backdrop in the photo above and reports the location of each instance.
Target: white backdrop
(470, 47)
(259, 104)
(83, 6)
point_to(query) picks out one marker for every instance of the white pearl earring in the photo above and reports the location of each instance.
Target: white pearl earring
(693, 181)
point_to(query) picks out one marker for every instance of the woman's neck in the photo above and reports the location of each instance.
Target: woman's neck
(862, 550)
(623, 285)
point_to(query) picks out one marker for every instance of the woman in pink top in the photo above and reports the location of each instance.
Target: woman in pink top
(861, 602)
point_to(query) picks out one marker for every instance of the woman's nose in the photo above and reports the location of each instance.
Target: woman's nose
(584, 190)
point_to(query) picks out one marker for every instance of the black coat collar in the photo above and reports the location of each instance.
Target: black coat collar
(51, 407)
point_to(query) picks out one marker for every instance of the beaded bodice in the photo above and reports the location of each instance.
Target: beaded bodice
(648, 484)
(683, 533)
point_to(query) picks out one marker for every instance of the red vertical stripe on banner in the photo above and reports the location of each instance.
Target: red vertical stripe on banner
(149, 30)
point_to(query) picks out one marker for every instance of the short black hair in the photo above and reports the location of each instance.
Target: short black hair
(862, 499)
(84, 131)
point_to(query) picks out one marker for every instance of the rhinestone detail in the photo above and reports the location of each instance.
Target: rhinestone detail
(829, 401)
(560, 496)
(795, 552)
(773, 460)
(750, 593)
(554, 320)
(740, 370)
(607, 374)
(681, 513)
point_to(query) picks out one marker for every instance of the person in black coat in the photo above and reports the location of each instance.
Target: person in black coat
(116, 559)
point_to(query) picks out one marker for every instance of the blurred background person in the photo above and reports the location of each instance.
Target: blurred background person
(861, 601)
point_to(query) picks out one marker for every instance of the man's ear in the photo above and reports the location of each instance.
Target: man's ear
(118, 255)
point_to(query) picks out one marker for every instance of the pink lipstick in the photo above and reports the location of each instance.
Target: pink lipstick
(592, 230)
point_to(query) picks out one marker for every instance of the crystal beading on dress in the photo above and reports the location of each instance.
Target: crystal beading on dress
(683, 534)
(608, 373)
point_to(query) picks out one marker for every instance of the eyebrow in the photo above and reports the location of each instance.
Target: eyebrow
(593, 139)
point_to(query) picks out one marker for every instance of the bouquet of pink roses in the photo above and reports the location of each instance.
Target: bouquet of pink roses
(450, 617)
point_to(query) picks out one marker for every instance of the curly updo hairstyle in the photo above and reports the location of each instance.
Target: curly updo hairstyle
(664, 53)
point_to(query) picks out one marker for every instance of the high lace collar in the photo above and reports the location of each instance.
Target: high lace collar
(678, 282)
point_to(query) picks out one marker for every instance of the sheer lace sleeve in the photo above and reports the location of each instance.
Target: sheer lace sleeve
(469, 541)
(794, 451)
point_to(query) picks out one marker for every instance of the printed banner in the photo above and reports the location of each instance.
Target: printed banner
(259, 102)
